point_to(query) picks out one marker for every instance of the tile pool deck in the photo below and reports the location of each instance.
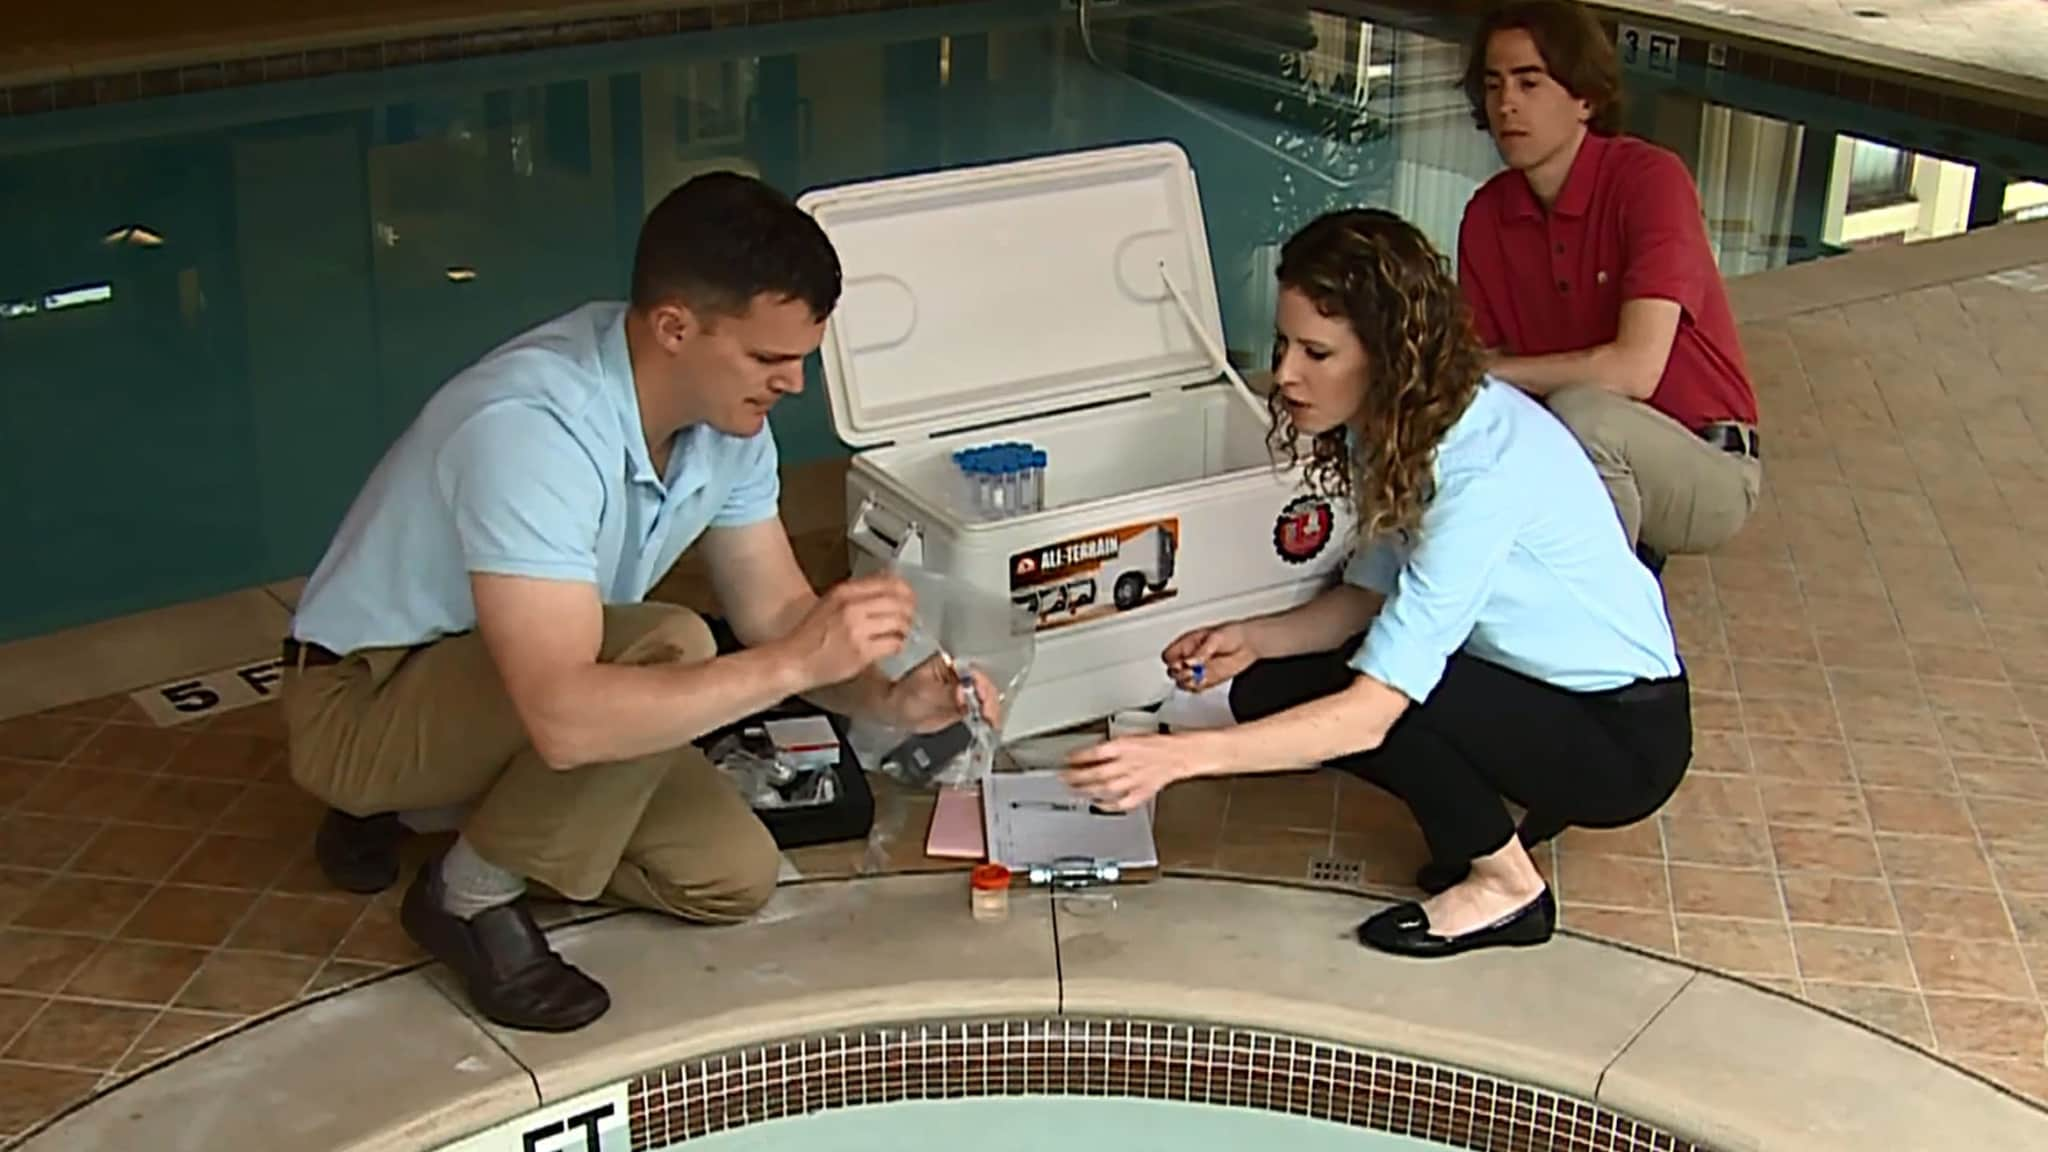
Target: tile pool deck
(1998, 44)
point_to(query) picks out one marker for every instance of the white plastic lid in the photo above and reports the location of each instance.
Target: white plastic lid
(984, 294)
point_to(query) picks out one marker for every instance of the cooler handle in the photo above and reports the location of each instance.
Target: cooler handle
(888, 537)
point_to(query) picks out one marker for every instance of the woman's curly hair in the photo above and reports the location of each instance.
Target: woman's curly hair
(1377, 272)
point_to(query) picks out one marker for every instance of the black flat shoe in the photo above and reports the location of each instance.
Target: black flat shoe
(1435, 876)
(503, 960)
(358, 853)
(1404, 930)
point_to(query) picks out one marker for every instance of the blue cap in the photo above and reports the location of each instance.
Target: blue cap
(1038, 458)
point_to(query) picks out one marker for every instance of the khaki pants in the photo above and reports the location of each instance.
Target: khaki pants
(1675, 492)
(398, 729)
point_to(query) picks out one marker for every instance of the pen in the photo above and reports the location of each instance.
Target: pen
(1063, 806)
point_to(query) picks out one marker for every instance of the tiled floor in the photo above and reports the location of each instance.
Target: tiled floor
(156, 886)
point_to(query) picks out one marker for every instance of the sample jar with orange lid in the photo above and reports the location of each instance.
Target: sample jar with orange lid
(990, 886)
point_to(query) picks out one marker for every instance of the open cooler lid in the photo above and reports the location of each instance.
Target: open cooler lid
(984, 294)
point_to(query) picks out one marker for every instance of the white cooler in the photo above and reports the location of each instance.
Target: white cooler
(1067, 302)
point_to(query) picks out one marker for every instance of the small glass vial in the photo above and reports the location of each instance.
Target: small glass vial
(984, 484)
(1013, 481)
(990, 885)
(969, 468)
(1000, 492)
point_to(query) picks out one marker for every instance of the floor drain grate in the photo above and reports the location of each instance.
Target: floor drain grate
(1335, 872)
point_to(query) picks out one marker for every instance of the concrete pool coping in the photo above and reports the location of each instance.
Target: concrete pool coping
(400, 1065)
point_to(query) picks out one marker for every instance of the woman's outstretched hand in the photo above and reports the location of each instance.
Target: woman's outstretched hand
(1123, 774)
(1207, 657)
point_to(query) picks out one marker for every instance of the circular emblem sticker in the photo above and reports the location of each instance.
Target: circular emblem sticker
(1303, 529)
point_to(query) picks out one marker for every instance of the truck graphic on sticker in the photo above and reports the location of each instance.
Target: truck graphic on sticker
(1100, 574)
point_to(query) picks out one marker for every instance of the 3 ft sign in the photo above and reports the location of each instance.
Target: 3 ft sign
(583, 1131)
(209, 694)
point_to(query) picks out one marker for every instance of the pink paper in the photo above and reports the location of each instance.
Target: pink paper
(956, 831)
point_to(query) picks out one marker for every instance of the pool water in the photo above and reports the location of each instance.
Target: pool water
(217, 310)
(1053, 1124)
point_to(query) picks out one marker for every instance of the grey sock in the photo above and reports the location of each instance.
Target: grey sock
(474, 884)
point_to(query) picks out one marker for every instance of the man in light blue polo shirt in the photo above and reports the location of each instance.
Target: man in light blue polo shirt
(477, 634)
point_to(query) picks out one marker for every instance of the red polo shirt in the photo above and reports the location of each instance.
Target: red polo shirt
(1626, 225)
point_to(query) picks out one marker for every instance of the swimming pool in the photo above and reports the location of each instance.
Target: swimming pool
(227, 303)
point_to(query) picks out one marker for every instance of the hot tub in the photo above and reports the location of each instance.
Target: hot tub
(1071, 1084)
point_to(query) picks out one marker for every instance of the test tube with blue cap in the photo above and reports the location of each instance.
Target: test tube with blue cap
(970, 481)
(1005, 457)
(1003, 479)
(992, 483)
(1015, 461)
(988, 474)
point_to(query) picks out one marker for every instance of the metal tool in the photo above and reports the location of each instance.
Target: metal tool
(1073, 872)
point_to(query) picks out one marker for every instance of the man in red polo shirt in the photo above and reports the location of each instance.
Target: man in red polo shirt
(1587, 271)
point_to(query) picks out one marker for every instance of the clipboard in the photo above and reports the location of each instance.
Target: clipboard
(1046, 833)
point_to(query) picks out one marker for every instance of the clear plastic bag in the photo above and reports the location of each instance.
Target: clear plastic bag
(975, 632)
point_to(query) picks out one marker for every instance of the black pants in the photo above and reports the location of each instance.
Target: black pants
(1589, 759)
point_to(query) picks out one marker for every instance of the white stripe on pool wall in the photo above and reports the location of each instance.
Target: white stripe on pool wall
(597, 1121)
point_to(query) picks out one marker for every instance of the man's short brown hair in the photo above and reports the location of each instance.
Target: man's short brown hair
(1575, 51)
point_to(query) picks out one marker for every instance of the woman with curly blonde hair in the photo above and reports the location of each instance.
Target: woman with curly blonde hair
(1494, 638)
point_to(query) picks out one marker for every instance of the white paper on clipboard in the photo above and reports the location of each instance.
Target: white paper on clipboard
(1033, 818)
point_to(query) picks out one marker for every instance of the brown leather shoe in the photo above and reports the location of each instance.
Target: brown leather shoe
(503, 960)
(358, 853)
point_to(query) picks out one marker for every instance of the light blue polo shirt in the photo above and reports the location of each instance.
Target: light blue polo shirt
(532, 462)
(1520, 560)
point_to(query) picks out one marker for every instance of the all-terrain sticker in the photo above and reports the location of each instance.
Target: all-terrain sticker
(1101, 574)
